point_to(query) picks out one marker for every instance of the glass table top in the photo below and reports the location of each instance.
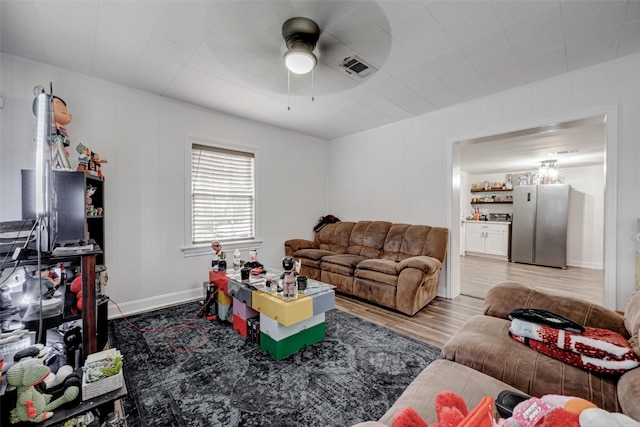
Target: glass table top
(259, 283)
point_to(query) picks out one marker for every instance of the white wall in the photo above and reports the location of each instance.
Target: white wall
(585, 230)
(400, 172)
(142, 136)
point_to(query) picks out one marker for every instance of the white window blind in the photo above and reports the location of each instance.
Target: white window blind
(223, 194)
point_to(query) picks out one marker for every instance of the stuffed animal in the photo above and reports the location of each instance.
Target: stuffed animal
(76, 288)
(32, 405)
(59, 137)
(451, 411)
(548, 411)
(595, 417)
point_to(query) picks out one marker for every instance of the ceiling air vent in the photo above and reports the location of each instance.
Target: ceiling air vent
(355, 66)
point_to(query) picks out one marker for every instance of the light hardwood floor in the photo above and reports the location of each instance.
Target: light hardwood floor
(442, 318)
(586, 283)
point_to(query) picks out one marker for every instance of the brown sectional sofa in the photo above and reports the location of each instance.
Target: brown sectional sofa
(394, 265)
(481, 359)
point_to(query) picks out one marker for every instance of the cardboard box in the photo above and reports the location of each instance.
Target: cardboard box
(97, 388)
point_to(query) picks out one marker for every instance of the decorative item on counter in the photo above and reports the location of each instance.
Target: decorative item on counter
(59, 138)
(222, 264)
(269, 283)
(216, 249)
(301, 282)
(524, 178)
(288, 278)
(236, 260)
(508, 182)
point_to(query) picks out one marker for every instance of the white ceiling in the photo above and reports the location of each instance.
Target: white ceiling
(569, 144)
(227, 55)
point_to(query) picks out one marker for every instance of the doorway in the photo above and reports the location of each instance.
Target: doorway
(509, 143)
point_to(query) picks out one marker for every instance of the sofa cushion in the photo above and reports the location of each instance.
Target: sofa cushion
(505, 296)
(380, 265)
(343, 263)
(628, 392)
(404, 241)
(393, 242)
(314, 254)
(443, 375)
(367, 238)
(335, 237)
(482, 339)
(378, 270)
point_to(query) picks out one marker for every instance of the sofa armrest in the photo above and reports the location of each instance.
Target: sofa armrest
(292, 245)
(425, 263)
(505, 296)
(628, 392)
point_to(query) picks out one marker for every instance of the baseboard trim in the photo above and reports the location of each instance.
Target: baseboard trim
(577, 263)
(153, 303)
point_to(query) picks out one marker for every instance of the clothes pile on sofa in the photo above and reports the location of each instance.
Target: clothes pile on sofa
(482, 359)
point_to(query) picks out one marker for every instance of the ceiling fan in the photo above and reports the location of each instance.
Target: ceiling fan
(340, 44)
(301, 35)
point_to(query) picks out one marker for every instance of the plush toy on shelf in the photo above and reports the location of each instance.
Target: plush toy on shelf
(76, 288)
(59, 137)
(32, 405)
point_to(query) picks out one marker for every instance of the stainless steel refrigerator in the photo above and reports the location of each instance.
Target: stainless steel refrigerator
(539, 224)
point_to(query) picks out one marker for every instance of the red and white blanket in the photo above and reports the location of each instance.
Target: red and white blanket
(598, 350)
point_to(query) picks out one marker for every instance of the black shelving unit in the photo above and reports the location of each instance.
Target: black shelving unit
(74, 220)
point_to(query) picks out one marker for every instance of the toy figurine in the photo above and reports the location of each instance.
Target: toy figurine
(217, 255)
(83, 158)
(89, 161)
(59, 137)
(94, 163)
(288, 278)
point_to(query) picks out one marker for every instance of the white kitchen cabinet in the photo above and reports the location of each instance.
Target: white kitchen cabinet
(486, 238)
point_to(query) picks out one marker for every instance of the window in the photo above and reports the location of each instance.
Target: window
(222, 194)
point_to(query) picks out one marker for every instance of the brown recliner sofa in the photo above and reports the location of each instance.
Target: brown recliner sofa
(394, 265)
(481, 359)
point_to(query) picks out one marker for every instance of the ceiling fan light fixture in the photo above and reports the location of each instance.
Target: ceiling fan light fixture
(300, 59)
(300, 35)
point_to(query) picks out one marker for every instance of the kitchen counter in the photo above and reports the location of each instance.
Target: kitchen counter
(490, 239)
(487, 222)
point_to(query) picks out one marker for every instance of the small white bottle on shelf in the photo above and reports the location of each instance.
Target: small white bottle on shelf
(236, 259)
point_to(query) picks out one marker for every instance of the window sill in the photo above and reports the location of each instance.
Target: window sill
(227, 247)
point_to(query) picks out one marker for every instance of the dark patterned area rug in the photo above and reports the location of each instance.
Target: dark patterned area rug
(354, 375)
